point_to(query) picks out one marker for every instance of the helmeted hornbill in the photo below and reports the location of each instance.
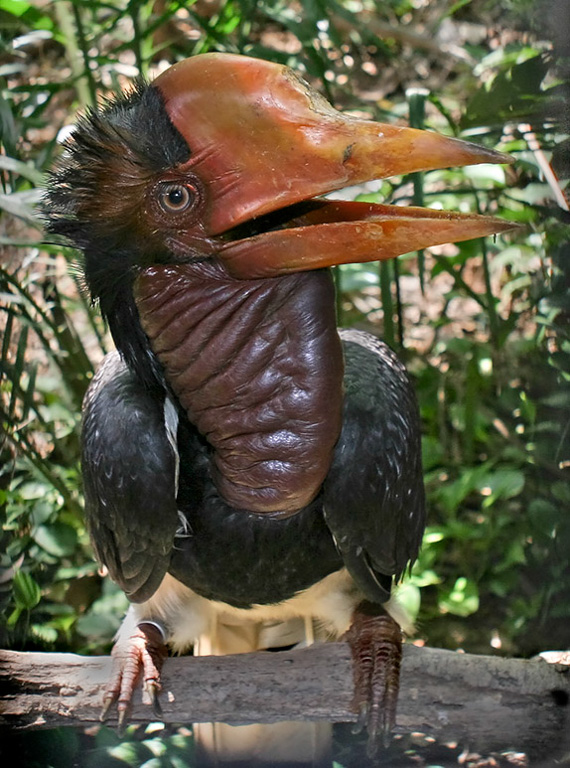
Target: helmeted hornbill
(242, 458)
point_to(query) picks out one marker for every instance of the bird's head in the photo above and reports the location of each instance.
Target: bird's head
(197, 203)
(224, 157)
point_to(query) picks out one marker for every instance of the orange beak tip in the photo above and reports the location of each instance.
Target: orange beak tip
(504, 158)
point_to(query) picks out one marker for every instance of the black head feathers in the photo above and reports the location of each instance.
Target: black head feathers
(95, 194)
(95, 199)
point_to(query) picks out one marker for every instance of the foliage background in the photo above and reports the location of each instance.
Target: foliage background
(482, 326)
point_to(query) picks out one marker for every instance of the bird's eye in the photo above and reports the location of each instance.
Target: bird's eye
(176, 198)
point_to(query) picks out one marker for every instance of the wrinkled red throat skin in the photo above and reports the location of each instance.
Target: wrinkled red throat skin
(257, 366)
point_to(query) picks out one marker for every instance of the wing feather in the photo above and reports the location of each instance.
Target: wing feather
(129, 475)
(374, 500)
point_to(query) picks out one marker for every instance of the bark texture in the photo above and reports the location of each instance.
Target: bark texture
(488, 702)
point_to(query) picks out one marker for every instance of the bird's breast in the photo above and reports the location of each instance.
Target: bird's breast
(257, 366)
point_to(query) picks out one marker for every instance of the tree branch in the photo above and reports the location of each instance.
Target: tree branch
(488, 701)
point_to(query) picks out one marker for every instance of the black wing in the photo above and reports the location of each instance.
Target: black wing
(129, 475)
(374, 500)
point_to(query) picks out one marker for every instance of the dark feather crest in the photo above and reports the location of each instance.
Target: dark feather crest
(95, 200)
(94, 195)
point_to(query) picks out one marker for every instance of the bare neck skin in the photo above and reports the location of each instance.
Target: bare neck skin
(257, 366)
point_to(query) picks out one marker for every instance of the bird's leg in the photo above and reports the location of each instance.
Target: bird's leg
(375, 641)
(143, 652)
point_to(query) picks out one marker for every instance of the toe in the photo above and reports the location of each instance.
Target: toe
(141, 655)
(376, 645)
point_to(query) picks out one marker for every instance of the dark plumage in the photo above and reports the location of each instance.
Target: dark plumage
(94, 199)
(242, 460)
(369, 517)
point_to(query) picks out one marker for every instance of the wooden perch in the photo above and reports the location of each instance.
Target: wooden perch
(487, 702)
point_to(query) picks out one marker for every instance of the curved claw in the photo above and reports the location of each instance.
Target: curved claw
(376, 645)
(143, 653)
(108, 701)
(152, 689)
(360, 724)
(123, 720)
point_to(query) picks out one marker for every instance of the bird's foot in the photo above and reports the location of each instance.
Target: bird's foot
(375, 641)
(143, 653)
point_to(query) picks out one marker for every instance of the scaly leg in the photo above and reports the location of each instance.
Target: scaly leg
(376, 645)
(144, 652)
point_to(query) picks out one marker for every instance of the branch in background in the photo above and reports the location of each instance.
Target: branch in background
(77, 57)
(404, 35)
(550, 177)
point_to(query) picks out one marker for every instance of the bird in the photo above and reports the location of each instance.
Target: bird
(245, 462)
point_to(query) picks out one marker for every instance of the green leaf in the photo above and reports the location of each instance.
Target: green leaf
(544, 517)
(462, 599)
(154, 762)
(15, 7)
(454, 8)
(490, 175)
(425, 578)
(23, 169)
(58, 539)
(31, 490)
(501, 484)
(432, 452)
(432, 536)
(12, 619)
(127, 752)
(26, 591)
(355, 277)
(45, 633)
(514, 94)
(21, 204)
(513, 556)
(451, 495)
(157, 746)
(561, 491)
